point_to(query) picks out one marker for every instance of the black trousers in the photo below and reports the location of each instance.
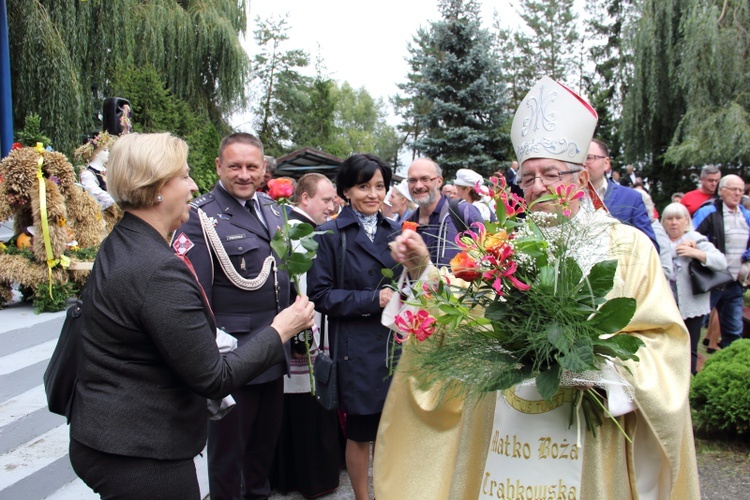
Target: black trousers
(693, 326)
(121, 477)
(241, 445)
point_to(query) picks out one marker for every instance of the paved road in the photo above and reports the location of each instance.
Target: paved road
(34, 460)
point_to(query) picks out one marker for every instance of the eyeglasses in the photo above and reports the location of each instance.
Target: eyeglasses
(594, 157)
(424, 180)
(734, 190)
(548, 178)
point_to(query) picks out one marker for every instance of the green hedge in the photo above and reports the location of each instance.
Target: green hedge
(720, 393)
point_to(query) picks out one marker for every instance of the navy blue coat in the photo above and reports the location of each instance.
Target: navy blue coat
(626, 205)
(240, 313)
(354, 312)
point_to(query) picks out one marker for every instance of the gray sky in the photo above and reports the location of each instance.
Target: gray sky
(364, 43)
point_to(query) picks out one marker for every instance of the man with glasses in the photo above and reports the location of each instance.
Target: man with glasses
(625, 204)
(419, 420)
(433, 214)
(726, 224)
(693, 200)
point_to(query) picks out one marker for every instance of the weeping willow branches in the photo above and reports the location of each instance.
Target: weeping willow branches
(66, 55)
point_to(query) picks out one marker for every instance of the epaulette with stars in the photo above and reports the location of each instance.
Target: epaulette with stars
(202, 200)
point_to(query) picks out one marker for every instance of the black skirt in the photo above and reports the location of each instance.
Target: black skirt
(309, 452)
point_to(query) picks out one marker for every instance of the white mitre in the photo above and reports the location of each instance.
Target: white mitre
(553, 122)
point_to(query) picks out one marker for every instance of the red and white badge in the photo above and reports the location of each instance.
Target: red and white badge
(182, 244)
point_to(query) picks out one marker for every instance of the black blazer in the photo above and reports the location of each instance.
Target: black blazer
(148, 354)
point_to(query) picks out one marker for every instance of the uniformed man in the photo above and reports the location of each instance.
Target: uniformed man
(227, 239)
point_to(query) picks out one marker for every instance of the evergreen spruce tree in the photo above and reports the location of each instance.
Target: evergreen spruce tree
(413, 104)
(608, 50)
(460, 89)
(550, 44)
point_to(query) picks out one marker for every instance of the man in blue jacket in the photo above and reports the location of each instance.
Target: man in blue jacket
(726, 224)
(436, 225)
(625, 204)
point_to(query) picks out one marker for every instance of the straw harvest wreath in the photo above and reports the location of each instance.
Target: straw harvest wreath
(38, 190)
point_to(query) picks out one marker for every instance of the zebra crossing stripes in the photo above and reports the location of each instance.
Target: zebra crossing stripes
(26, 357)
(34, 461)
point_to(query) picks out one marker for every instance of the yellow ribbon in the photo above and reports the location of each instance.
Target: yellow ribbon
(64, 260)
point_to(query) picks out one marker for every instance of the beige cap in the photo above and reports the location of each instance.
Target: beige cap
(403, 188)
(468, 178)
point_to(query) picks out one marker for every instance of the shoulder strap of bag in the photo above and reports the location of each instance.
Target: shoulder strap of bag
(340, 283)
(455, 213)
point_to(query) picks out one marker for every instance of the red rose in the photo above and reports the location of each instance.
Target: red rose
(16, 145)
(282, 187)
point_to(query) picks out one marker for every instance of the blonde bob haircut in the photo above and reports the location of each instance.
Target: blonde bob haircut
(140, 164)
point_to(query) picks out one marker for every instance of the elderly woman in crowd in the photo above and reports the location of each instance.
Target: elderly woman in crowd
(148, 354)
(346, 283)
(684, 245)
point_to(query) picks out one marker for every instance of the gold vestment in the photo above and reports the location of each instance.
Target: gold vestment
(435, 448)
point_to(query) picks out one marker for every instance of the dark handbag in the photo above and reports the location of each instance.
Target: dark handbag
(324, 369)
(704, 279)
(61, 374)
(326, 382)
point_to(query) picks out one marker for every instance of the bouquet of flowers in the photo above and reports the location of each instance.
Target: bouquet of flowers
(296, 247)
(527, 301)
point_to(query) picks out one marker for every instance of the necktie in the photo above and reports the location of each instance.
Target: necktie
(252, 207)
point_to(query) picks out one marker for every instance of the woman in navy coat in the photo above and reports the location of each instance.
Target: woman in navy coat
(363, 352)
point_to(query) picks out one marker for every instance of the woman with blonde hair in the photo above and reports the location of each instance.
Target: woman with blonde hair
(686, 244)
(148, 358)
